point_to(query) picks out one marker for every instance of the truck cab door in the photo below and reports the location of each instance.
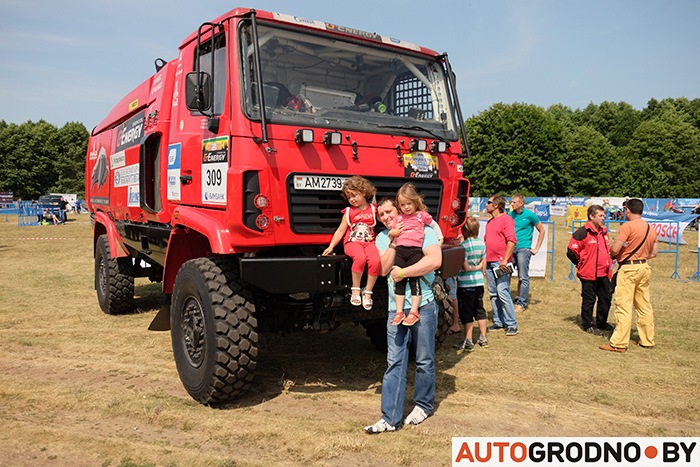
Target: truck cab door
(198, 159)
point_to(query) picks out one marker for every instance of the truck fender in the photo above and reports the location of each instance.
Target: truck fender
(217, 233)
(195, 236)
(184, 244)
(105, 225)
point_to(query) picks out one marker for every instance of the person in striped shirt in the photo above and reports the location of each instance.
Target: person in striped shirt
(470, 285)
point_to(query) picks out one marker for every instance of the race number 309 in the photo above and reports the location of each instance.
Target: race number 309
(213, 177)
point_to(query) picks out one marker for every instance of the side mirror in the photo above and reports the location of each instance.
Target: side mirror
(198, 91)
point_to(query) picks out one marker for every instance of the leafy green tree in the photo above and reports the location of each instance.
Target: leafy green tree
(37, 158)
(72, 141)
(689, 110)
(616, 121)
(588, 163)
(662, 159)
(517, 147)
(25, 159)
(566, 117)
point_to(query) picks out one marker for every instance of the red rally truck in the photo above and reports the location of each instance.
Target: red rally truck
(220, 177)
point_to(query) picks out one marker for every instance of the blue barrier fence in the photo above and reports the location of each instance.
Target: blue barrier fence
(696, 277)
(28, 214)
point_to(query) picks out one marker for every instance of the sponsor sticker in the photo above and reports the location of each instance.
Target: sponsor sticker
(129, 133)
(118, 160)
(420, 165)
(134, 199)
(215, 152)
(174, 172)
(126, 176)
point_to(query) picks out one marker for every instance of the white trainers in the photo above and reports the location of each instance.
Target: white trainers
(379, 427)
(416, 416)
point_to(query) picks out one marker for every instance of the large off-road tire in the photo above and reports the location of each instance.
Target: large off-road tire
(213, 330)
(445, 310)
(376, 330)
(114, 280)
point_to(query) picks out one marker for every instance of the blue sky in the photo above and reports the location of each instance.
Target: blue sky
(72, 60)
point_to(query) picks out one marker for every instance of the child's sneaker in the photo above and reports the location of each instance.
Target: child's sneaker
(483, 341)
(467, 346)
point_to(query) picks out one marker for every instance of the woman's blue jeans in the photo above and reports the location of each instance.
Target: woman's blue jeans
(420, 336)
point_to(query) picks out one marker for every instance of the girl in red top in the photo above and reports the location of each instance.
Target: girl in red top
(356, 229)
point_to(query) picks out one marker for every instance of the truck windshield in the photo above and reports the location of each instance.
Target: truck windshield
(322, 81)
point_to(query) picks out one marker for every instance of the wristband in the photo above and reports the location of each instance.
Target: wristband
(401, 273)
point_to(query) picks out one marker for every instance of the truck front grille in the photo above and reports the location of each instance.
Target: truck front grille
(318, 211)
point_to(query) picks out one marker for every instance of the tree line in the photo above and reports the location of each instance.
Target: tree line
(37, 158)
(607, 149)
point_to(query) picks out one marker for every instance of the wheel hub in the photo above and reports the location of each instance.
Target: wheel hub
(193, 331)
(102, 279)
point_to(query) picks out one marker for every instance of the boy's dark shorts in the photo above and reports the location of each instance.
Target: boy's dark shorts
(471, 304)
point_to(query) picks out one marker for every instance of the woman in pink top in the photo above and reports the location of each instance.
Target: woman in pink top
(409, 232)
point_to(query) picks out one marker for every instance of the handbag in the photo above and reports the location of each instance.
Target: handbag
(613, 279)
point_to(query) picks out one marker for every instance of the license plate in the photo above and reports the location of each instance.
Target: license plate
(318, 182)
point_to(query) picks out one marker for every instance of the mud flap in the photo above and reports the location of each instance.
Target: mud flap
(452, 260)
(161, 322)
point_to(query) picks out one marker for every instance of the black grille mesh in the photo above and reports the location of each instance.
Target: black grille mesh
(318, 211)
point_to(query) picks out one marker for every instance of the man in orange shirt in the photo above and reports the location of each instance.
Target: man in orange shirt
(633, 291)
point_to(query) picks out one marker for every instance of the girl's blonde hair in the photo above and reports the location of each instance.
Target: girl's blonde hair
(408, 191)
(470, 229)
(361, 185)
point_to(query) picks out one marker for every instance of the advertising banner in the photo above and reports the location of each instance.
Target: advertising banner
(6, 197)
(669, 226)
(538, 263)
(576, 213)
(556, 210)
(542, 211)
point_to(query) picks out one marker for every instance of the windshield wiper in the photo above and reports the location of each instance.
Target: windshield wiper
(414, 127)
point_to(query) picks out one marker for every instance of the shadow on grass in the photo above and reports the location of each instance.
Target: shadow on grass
(148, 297)
(311, 365)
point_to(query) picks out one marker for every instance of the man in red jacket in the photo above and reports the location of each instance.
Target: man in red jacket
(589, 250)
